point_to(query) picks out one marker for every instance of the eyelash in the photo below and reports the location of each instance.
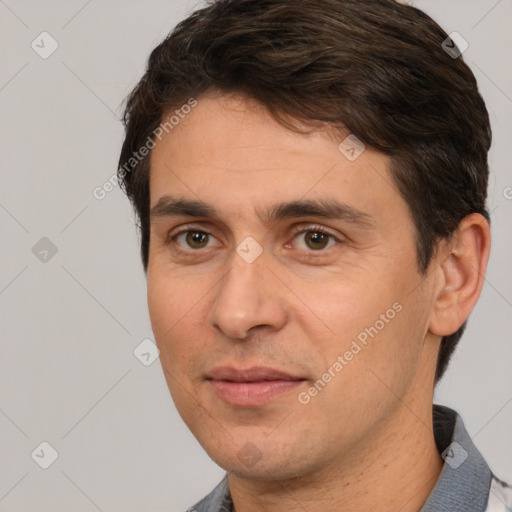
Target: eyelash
(296, 231)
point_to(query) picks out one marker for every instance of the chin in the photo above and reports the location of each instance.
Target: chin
(264, 462)
(264, 472)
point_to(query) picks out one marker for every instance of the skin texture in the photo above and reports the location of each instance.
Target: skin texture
(364, 441)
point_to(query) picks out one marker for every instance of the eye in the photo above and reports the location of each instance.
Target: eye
(193, 239)
(314, 239)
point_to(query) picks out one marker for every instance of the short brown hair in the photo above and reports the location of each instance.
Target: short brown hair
(376, 68)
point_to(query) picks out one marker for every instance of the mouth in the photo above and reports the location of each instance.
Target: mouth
(251, 387)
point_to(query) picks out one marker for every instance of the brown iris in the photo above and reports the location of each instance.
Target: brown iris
(197, 239)
(316, 240)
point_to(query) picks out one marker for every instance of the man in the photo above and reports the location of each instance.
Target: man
(310, 180)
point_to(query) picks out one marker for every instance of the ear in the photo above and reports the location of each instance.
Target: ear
(462, 264)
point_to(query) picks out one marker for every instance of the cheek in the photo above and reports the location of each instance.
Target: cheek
(168, 304)
(170, 298)
(162, 304)
(370, 315)
(347, 303)
(177, 309)
(171, 310)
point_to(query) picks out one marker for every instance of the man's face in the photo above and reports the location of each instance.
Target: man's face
(290, 337)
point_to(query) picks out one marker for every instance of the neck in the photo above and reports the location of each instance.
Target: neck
(395, 470)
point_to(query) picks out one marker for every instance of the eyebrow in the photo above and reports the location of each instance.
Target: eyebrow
(168, 206)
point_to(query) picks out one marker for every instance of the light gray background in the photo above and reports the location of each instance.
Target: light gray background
(68, 375)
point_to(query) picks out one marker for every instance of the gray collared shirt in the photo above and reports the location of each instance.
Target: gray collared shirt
(466, 484)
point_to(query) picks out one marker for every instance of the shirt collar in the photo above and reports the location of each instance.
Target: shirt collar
(464, 482)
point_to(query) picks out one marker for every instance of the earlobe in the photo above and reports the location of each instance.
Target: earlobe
(462, 265)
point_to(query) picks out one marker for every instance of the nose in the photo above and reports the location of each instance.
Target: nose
(248, 296)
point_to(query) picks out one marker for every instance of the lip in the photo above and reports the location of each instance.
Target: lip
(253, 386)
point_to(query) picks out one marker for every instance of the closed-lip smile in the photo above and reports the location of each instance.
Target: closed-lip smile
(251, 387)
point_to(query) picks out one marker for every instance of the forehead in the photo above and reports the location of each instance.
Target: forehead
(230, 151)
